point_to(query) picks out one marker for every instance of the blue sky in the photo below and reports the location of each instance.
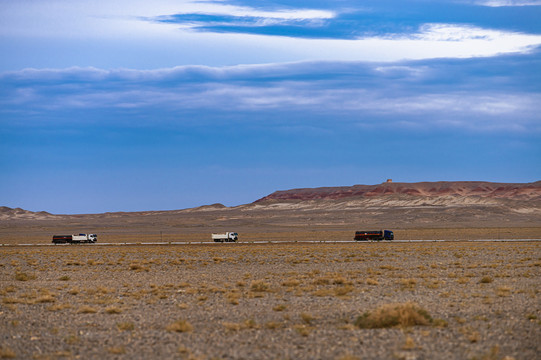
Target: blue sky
(136, 105)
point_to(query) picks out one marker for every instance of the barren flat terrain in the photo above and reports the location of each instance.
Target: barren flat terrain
(452, 300)
(428, 211)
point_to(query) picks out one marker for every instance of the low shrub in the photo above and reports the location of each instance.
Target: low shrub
(392, 315)
(180, 326)
(486, 280)
(21, 276)
(259, 286)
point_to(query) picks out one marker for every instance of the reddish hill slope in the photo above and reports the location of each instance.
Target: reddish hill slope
(512, 191)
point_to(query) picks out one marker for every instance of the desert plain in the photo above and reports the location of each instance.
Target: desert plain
(274, 295)
(434, 300)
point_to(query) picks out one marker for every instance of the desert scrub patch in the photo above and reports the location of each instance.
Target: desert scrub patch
(45, 299)
(408, 283)
(280, 307)
(138, 267)
(339, 280)
(113, 310)
(322, 281)
(233, 326)
(7, 353)
(393, 315)
(12, 300)
(74, 291)
(259, 286)
(117, 350)
(409, 344)
(307, 318)
(22, 276)
(343, 290)
(8, 289)
(348, 357)
(434, 284)
(486, 280)
(125, 326)
(180, 326)
(85, 309)
(272, 325)
(232, 298)
(303, 329)
(372, 281)
(291, 282)
(58, 307)
(104, 290)
(503, 291)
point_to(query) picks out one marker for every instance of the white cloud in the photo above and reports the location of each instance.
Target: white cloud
(501, 3)
(377, 95)
(112, 34)
(102, 18)
(231, 10)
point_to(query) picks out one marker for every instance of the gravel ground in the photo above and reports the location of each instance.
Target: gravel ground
(272, 301)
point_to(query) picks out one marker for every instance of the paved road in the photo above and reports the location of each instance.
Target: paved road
(272, 242)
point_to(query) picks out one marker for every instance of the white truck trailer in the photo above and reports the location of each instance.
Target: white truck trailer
(225, 237)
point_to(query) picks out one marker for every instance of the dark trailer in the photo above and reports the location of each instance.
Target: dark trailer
(373, 235)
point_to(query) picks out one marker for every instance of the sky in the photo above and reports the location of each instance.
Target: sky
(134, 105)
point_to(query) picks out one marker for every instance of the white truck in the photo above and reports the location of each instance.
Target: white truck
(225, 237)
(75, 239)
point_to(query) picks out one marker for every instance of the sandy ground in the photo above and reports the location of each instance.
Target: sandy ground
(272, 301)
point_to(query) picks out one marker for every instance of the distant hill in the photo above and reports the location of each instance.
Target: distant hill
(483, 189)
(7, 213)
(442, 204)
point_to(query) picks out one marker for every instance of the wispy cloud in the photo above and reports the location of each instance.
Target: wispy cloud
(501, 3)
(427, 93)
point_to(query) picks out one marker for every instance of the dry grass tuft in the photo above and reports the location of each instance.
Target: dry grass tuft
(45, 299)
(303, 329)
(371, 281)
(125, 326)
(391, 315)
(7, 353)
(259, 286)
(180, 326)
(503, 291)
(348, 357)
(57, 307)
(343, 290)
(274, 325)
(307, 318)
(113, 310)
(291, 282)
(85, 309)
(21, 276)
(117, 350)
(409, 344)
(486, 280)
(232, 326)
(408, 283)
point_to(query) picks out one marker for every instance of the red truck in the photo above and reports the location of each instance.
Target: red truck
(373, 235)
